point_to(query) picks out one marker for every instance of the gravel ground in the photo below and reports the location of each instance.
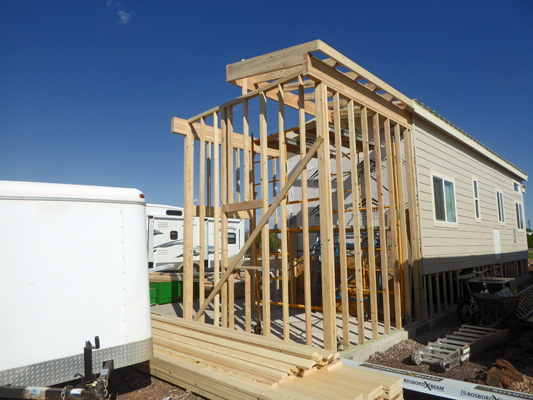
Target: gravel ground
(399, 356)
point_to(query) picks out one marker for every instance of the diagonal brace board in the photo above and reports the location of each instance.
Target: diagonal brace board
(238, 260)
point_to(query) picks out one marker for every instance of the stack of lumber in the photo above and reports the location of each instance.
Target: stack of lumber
(392, 386)
(220, 363)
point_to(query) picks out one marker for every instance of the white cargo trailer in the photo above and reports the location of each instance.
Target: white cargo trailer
(165, 238)
(72, 267)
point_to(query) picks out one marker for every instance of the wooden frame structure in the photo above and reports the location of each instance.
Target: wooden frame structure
(357, 117)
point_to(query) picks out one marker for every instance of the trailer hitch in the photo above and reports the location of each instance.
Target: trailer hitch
(90, 388)
(88, 359)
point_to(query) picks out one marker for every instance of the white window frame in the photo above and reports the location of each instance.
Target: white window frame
(477, 205)
(444, 222)
(500, 206)
(516, 185)
(519, 216)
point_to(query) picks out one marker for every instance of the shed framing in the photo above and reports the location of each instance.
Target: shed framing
(359, 133)
(343, 99)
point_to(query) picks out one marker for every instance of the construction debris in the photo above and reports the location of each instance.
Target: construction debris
(501, 375)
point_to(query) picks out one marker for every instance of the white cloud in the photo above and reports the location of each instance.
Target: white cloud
(109, 3)
(124, 17)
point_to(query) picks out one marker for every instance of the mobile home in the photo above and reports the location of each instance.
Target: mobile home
(165, 238)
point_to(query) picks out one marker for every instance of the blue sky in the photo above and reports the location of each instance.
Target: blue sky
(88, 88)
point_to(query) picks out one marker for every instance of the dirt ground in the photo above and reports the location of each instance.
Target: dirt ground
(131, 384)
(481, 368)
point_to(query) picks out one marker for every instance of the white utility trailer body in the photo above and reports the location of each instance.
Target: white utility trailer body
(72, 267)
(165, 238)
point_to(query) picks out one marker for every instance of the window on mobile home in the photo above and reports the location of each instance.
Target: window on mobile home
(444, 197)
(232, 238)
(519, 216)
(177, 213)
(501, 213)
(476, 199)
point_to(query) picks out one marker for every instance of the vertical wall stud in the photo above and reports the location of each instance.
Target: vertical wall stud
(383, 244)
(356, 224)
(369, 224)
(393, 214)
(188, 204)
(342, 224)
(305, 216)
(264, 195)
(326, 220)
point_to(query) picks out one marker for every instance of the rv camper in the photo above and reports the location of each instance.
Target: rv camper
(165, 238)
(73, 268)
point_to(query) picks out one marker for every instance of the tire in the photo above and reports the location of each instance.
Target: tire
(467, 316)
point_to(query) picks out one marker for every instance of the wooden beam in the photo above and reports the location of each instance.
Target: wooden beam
(180, 127)
(269, 76)
(430, 292)
(445, 291)
(274, 181)
(403, 224)
(283, 216)
(345, 298)
(291, 87)
(326, 222)
(216, 213)
(277, 60)
(413, 220)
(290, 99)
(437, 287)
(188, 203)
(370, 225)
(356, 224)
(224, 220)
(305, 216)
(238, 260)
(231, 190)
(265, 253)
(210, 212)
(242, 206)
(317, 70)
(202, 185)
(237, 175)
(450, 277)
(383, 243)
(393, 214)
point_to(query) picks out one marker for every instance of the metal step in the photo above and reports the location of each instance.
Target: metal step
(456, 349)
(525, 307)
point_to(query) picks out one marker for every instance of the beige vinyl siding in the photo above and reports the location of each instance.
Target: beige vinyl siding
(470, 241)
